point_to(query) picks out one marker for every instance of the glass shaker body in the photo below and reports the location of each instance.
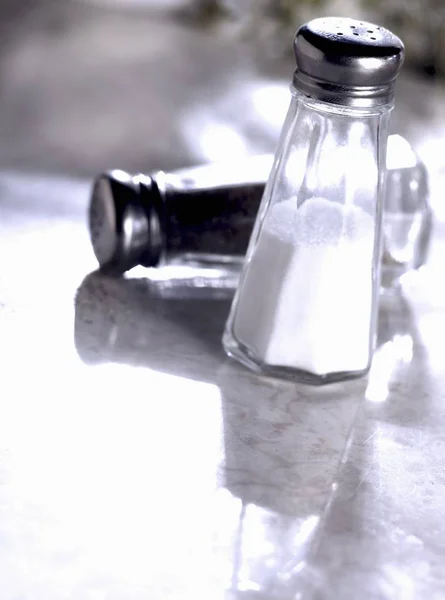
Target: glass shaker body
(407, 215)
(306, 304)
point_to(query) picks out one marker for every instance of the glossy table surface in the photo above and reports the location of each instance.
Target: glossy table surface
(137, 461)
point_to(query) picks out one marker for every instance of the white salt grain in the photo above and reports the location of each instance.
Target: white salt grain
(306, 298)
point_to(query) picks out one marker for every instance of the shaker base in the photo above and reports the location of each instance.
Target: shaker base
(238, 351)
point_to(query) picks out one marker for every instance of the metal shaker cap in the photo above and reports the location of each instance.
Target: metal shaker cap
(124, 226)
(347, 62)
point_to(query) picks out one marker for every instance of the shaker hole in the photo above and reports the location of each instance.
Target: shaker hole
(339, 33)
(373, 38)
(352, 26)
(370, 31)
(355, 33)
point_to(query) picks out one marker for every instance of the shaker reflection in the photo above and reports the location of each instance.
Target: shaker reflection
(283, 445)
(173, 329)
(390, 481)
(283, 442)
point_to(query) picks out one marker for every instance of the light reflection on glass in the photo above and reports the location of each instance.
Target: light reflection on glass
(414, 186)
(386, 359)
(271, 550)
(295, 167)
(400, 154)
(120, 175)
(172, 272)
(306, 531)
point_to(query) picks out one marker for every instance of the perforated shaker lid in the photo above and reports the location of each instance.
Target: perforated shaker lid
(347, 62)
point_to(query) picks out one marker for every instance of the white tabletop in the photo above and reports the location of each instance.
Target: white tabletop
(138, 462)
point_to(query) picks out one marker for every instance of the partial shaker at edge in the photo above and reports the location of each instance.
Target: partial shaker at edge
(208, 212)
(306, 305)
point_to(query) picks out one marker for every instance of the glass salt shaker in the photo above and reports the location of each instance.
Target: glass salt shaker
(306, 304)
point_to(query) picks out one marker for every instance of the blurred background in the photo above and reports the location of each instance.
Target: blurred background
(88, 85)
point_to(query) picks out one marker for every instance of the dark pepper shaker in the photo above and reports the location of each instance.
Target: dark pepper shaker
(159, 218)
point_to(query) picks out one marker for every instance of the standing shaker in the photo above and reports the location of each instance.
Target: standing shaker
(306, 304)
